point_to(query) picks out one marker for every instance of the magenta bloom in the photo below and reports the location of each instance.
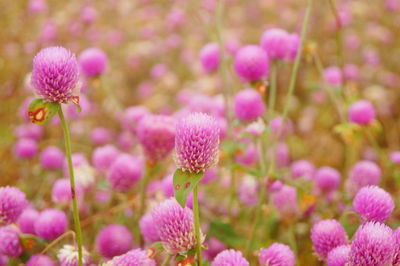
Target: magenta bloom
(373, 204)
(174, 226)
(103, 157)
(101, 135)
(68, 256)
(26, 148)
(326, 235)
(248, 191)
(12, 203)
(365, 173)
(338, 256)
(251, 63)
(132, 116)
(280, 128)
(351, 72)
(276, 42)
(55, 74)
(124, 172)
(93, 62)
(396, 259)
(40, 260)
(135, 257)
(327, 179)
(294, 45)
(373, 244)
(61, 191)
(361, 112)
(333, 76)
(230, 257)
(210, 57)
(196, 143)
(156, 133)
(51, 224)
(302, 168)
(395, 157)
(285, 200)
(26, 221)
(52, 158)
(277, 255)
(148, 228)
(114, 240)
(10, 244)
(248, 105)
(214, 246)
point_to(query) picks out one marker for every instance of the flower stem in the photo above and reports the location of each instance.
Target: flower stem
(197, 224)
(166, 261)
(272, 90)
(293, 75)
(339, 46)
(75, 210)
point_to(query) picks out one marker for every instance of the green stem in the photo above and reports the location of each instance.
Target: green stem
(339, 37)
(272, 89)
(166, 261)
(232, 191)
(197, 224)
(75, 210)
(142, 192)
(293, 75)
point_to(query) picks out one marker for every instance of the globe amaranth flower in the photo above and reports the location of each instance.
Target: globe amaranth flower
(55, 74)
(326, 235)
(210, 57)
(124, 172)
(373, 204)
(40, 260)
(68, 256)
(52, 158)
(251, 63)
(395, 157)
(10, 244)
(12, 203)
(338, 256)
(248, 191)
(285, 200)
(276, 42)
(61, 191)
(26, 148)
(361, 112)
(93, 62)
(174, 226)
(230, 257)
(214, 247)
(327, 179)
(148, 228)
(51, 224)
(373, 244)
(196, 143)
(135, 257)
(156, 134)
(364, 173)
(26, 221)
(104, 156)
(131, 117)
(248, 105)
(302, 169)
(333, 76)
(277, 255)
(114, 240)
(396, 259)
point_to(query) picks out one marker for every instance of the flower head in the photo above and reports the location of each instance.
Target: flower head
(174, 226)
(338, 256)
(333, 76)
(230, 257)
(12, 203)
(135, 257)
(361, 112)
(10, 244)
(156, 133)
(364, 173)
(251, 63)
(276, 42)
(131, 117)
(52, 158)
(196, 143)
(93, 62)
(249, 105)
(124, 172)
(327, 179)
(26, 148)
(68, 256)
(51, 224)
(326, 235)
(55, 74)
(61, 191)
(26, 221)
(285, 200)
(114, 240)
(210, 57)
(277, 255)
(148, 228)
(302, 168)
(40, 260)
(373, 244)
(373, 204)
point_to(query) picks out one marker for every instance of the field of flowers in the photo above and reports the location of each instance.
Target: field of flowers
(200, 132)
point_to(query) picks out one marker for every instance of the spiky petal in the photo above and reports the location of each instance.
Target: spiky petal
(12, 203)
(230, 257)
(277, 255)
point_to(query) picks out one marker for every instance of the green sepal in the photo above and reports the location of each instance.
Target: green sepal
(158, 247)
(184, 182)
(40, 111)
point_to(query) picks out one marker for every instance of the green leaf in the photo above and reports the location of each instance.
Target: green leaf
(40, 111)
(225, 233)
(184, 182)
(158, 246)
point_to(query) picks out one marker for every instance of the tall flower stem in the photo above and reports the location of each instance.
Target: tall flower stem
(197, 224)
(75, 210)
(272, 90)
(339, 42)
(293, 75)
